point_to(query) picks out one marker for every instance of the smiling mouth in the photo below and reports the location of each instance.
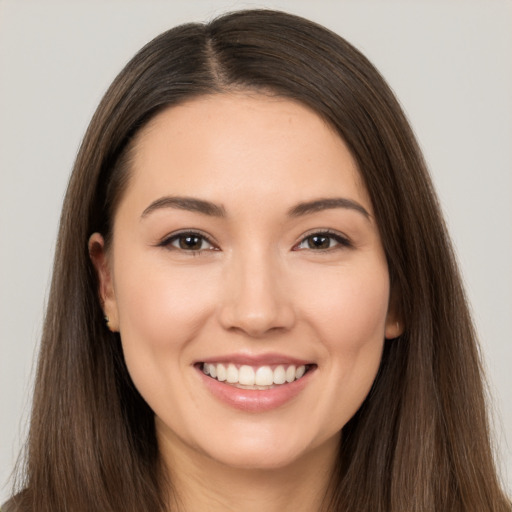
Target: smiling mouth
(255, 377)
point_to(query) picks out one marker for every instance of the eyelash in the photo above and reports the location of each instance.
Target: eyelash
(341, 241)
(175, 237)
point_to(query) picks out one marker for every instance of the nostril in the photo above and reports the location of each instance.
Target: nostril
(240, 318)
(254, 301)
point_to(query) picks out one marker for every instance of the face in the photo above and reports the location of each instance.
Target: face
(247, 280)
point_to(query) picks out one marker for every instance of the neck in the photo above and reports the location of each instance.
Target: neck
(201, 483)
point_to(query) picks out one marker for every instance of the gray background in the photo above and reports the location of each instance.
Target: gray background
(450, 64)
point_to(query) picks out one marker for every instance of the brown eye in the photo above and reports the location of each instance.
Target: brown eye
(318, 242)
(188, 242)
(323, 241)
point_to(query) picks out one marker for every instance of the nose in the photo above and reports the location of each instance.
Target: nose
(256, 299)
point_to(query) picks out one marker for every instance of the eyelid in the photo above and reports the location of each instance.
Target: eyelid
(168, 239)
(342, 240)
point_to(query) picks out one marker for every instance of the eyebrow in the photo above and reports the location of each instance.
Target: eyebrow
(190, 204)
(193, 204)
(318, 205)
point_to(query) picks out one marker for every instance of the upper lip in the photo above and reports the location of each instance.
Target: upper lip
(269, 359)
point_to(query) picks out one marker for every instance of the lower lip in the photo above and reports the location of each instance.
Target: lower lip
(255, 400)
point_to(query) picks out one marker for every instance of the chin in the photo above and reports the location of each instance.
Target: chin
(265, 452)
(256, 459)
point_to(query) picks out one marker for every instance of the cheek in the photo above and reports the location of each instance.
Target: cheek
(349, 306)
(157, 296)
(349, 319)
(160, 309)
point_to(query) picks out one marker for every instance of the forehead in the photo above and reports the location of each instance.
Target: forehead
(227, 147)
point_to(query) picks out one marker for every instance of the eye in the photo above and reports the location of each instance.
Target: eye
(188, 241)
(323, 241)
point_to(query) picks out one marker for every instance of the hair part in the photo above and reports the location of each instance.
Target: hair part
(419, 442)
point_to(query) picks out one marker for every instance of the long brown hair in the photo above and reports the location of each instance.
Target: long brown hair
(419, 442)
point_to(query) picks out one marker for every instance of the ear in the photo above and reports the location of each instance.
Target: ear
(100, 260)
(394, 322)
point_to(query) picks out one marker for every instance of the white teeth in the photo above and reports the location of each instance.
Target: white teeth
(221, 372)
(279, 375)
(264, 376)
(254, 377)
(232, 374)
(246, 376)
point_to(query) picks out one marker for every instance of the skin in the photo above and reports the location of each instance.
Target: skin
(257, 287)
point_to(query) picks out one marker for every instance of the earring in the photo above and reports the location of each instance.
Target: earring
(107, 320)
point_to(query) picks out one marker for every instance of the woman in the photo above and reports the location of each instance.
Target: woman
(255, 303)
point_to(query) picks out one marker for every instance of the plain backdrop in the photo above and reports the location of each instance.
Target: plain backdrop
(450, 64)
